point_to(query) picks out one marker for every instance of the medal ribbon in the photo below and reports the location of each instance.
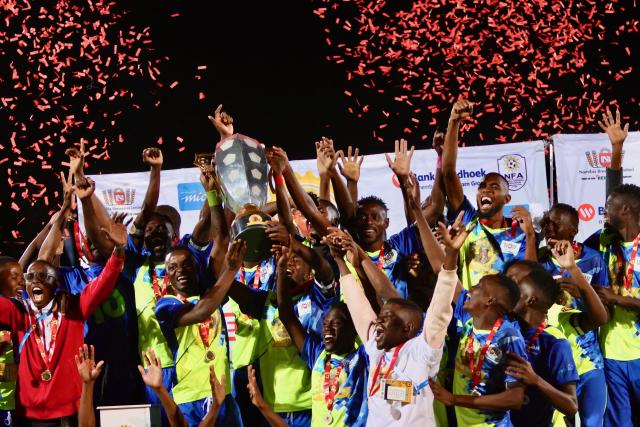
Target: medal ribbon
(331, 387)
(476, 370)
(514, 226)
(536, 335)
(628, 276)
(256, 278)
(381, 258)
(203, 328)
(375, 386)
(47, 356)
(158, 291)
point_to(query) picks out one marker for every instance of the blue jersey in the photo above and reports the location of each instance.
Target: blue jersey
(266, 277)
(551, 358)
(350, 403)
(493, 378)
(486, 250)
(396, 249)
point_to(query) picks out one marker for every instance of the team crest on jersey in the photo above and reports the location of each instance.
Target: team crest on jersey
(389, 257)
(494, 354)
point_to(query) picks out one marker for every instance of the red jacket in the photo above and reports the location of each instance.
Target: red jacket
(59, 397)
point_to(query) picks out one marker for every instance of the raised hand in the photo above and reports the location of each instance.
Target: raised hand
(222, 122)
(326, 156)
(68, 190)
(350, 165)
(152, 376)
(235, 254)
(523, 216)
(85, 187)
(278, 233)
(208, 177)
(613, 128)
(117, 233)
(254, 391)
(438, 141)
(454, 237)
(413, 188)
(218, 392)
(563, 253)
(86, 363)
(334, 241)
(401, 165)
(461, 110)
(152, 156)
(76, 159)
(277, 159)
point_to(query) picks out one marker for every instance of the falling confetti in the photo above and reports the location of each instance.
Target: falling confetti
(534, 67)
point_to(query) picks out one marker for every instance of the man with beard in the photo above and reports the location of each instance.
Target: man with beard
(493, 239)
(49, 327)
(11, 286)
(618, 243)
(338, 369)
(197, 334)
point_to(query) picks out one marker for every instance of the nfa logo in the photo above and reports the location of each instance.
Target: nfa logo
(586, 212)
(190, 196)
(514, 168)
(119, 196)
(599, 160)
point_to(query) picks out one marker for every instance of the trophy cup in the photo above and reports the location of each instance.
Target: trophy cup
(241, 165)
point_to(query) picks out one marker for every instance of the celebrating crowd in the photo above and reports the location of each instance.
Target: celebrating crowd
(466, 317)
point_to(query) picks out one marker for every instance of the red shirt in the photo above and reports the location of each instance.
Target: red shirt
(59, 397)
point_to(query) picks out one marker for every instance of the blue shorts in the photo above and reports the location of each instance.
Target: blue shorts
(228, 416)
(297, 419)
(623, 381)
(592, 398)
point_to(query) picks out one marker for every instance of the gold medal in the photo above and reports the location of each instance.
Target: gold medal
(46, 376)
(209, 356)
(328, 419)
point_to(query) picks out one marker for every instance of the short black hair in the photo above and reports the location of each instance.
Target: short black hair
(180, 248)
(4, 260)
(373, 200)
(569, 210)
(630, 194)
(547, 286)
(414, 309)
(341, 306)
(315, 198)
(533, 265)
(500, 176)
(513, 291)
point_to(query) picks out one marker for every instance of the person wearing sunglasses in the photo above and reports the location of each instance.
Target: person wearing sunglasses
(46, 328)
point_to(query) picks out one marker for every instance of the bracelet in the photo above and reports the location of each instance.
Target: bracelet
(278, 179)
(212, 198)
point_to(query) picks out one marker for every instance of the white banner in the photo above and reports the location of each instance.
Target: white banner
(581, 161)
(522, 163)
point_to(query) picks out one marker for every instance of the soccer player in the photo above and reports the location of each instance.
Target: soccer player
(11, 286)
(338, 369)
(483, 393)
(50, 325)
(494, 239)
(581, 311)
(404, 351)
(196, 332)
(618, 243)
(548, 370)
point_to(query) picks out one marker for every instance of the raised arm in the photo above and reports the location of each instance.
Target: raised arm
(223, 123)
(452, 185)
(219, 229)
(51, 243)
(346, 205)
(152, 157)
(349, 167)
(439, 312)
(285, 304)
(218, 394)
(212, 298)
(595, 314)
(432, 248)
(401, 166)
(302, 200)
(89, 372)
(93, 223)
(617, 135)
(324, 163)
(282, 198)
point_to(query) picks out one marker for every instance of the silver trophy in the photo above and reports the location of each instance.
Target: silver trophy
(241, 165)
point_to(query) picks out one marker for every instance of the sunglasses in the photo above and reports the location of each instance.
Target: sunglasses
(41, 276)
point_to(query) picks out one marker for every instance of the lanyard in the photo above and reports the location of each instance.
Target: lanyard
(476, 370)
(33, 326)
(256, 278)
(331, 387)
(514, 226)
(628, 276)
(47, 356)
(375, 385)
(203, 327)
(381, 258)
(536, 335)
(158, 291)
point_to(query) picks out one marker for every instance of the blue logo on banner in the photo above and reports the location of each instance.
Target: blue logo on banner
(506, 211)
(190, 196)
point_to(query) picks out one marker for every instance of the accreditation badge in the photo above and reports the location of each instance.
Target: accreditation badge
(397, 391)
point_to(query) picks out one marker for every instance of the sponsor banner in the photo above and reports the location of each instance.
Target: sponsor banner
(581, 162)
(523, 164)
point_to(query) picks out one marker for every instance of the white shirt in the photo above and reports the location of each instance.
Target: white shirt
(416, 362)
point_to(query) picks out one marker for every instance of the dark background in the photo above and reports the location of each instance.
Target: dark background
(266, 62)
